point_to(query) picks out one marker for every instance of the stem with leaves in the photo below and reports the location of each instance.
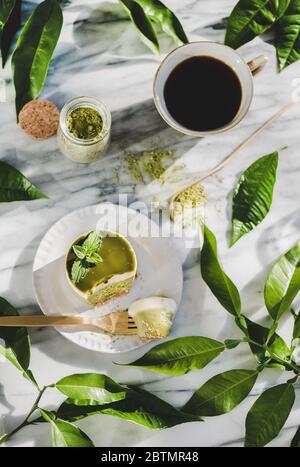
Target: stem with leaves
(224, 392)
(26, 422)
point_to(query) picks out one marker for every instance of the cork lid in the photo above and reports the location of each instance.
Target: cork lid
(39, 119)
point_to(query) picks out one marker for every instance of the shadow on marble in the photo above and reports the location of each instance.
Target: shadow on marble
(33, 435)
(69, 178)
(278, 238)
(106, 30)
(271, 245)
(113, 432)
(4, 400)
(146, 122)
(101, 25)
(252, 293)
(102, 429)
(21, 277)
(80, 360)
(103, 36)
(8, 421)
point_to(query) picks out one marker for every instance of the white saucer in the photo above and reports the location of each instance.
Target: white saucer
(159, 270)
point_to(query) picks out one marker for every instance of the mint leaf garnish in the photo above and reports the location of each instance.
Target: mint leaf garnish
(87, 256)
(79, 271)
(92, 243)
(79, 252)
(94, 258)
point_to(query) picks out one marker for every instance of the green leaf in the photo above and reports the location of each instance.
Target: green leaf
(142, 24)
(296, 440)
(87, 256)
(180, 356)
(34, 49)
(251, 18)
(79, 251)
(92, 243)
(143, 12)
(6, 8)
(232, 343)
(219, 283)
(288, 36)
(139, 407)
(268, 415)
(279, 348)
(16, 340)
(94, 258)
(283, 283)
(260, 334)
(222, 393)
(79, 271)
(253, 196)
(293, 380)
(296, 330)
(94, 388)
(165, 18)
(14, 186)
(66, 435)
(10, 21)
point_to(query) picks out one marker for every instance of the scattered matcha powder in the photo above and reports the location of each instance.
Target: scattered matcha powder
(84, 123)
(192, 197)
(152, 162)
(132, 161)
(149, 162)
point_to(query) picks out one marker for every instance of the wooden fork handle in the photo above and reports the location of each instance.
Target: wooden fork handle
(40, 321)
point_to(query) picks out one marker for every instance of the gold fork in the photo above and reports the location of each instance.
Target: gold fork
(118, 323)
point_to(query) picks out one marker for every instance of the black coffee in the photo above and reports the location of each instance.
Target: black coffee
(203, 94)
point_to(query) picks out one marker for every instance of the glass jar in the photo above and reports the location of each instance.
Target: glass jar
(84, 150)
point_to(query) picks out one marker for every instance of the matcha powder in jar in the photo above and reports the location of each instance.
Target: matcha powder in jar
(84, 130)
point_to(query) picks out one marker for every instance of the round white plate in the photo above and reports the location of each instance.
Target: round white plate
(159, 270)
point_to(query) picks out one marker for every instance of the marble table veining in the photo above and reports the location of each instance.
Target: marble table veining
(99, 54)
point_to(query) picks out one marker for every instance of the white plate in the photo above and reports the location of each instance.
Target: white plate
(159, 270)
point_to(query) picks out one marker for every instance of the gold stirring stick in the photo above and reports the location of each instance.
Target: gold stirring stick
(175, 198)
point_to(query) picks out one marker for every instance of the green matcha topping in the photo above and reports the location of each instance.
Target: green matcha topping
(84, 123)
(117, 258)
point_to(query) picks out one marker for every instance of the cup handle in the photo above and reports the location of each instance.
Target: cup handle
(257, 64)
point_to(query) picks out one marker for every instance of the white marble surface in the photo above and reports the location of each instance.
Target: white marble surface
(99, 54)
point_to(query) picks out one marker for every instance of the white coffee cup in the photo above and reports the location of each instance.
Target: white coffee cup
(227, 55)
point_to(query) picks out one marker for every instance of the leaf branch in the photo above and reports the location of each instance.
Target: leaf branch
(26, 421)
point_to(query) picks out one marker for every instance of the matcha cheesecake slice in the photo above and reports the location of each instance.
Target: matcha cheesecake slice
(153, 316)
(100, 266)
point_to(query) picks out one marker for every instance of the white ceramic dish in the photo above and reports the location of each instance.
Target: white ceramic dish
(159, 271)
